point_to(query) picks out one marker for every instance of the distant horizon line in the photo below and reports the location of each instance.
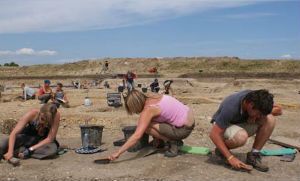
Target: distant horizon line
(104, 58)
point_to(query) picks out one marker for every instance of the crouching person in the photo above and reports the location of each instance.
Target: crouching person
(34, 135)
(162, 117)
(60, 97)
(240, 116)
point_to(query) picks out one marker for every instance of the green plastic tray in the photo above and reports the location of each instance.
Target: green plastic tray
(278, 152)
(195, 150)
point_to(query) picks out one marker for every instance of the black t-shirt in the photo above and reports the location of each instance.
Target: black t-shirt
(230, 112)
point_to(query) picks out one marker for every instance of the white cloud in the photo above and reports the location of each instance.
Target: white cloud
(286, 56)
(46, 52)
(16, 16)
(68, 60)
(27, 51)
(248, 15)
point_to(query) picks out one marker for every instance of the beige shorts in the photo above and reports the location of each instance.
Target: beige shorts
(234, 128)
(173, 132)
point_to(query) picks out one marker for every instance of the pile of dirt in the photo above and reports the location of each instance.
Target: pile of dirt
(7, 125)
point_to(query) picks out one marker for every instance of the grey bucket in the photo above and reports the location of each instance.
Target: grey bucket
(143, 142)
(95, 134)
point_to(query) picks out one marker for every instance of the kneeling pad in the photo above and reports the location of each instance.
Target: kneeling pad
(278, 152)
(195, 150)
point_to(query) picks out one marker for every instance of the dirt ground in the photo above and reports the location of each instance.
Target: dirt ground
(203, 95)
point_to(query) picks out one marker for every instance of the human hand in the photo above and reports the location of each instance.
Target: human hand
(114, 156)
(8, 156)
(236, 163)
(26, 153)
(21, 155)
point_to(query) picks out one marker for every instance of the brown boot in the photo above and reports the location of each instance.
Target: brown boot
(254, 159)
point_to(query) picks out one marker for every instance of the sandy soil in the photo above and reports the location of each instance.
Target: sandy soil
(202, 95)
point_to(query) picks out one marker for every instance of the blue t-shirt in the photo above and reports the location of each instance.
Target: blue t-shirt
(230, 112)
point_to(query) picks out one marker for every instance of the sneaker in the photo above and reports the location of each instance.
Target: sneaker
(179, 144)
(254, 159)
(173, 150)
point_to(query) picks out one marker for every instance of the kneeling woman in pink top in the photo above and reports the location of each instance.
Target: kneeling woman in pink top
(162, 117)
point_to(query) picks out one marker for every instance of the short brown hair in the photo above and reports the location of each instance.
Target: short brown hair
(135, 102)
(60, 85)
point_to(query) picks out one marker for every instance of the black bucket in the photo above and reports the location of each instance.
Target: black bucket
(120, 88)
(143, 142)
(144, 89)
(95, 134)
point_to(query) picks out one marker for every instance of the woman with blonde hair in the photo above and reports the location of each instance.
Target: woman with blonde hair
(162, 117)
(34, 135)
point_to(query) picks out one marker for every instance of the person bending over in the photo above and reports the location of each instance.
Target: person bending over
(240, 116)
(162, 117)
(167, 85)
(28, 93)
(34, 135)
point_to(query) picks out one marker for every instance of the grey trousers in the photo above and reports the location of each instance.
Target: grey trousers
(44, 98)
(25, 141)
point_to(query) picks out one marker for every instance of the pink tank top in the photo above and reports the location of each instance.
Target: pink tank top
(172, 111)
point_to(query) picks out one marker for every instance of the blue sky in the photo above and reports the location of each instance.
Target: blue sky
(55, 31)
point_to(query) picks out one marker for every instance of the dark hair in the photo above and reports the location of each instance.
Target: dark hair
(60, 84)
(262, 99)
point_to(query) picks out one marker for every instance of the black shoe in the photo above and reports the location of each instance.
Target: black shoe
(173, 149)
(179, 144)
(254, 159)
(157, 143)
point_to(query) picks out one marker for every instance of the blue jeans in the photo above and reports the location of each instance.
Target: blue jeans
(130, 85)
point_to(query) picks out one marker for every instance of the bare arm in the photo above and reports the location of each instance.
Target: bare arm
(65, 97)
(215, 136)
(51, 135)
(144, 121)
(25, 94)
(276, 111)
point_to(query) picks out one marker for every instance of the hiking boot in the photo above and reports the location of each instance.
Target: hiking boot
(173, 150)
(254, 159)
(179, 144)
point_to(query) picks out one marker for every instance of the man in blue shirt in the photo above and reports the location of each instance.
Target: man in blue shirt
(240, 116)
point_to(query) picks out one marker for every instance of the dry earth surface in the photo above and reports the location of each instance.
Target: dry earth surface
(203, 95)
